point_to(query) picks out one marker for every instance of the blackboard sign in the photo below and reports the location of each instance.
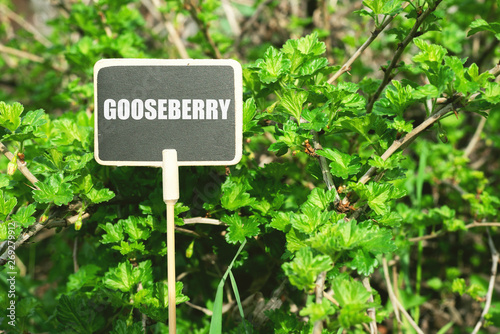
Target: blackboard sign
(143, 106)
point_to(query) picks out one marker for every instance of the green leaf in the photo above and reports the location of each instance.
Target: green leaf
(120, 327)
(316, 311)
(24, 215)
(292, 102)
(492, 92)
(273, 66)
(99, 196)
(310, 46)
(249, 112)
(75, 315)
(342, 164)
(136, 228)
(363, 262)
(123, 278)
(10, 115)
(55, 189)
(481, 25)
(378, 195)
(320, 198)
(7, 204)
(240, 228)
(312, 66)
(305, 268)
(86, 276)
(114, 232)
(234, 195)
(281, 220)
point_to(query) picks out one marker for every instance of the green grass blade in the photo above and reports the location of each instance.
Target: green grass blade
(216, 322)
(238, 301)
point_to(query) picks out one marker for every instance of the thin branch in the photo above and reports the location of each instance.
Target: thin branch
(395, 301)
(371, 310)
(20, 54)
(330, 298)
(475, 138)
(76, 267)
(173, 36)
(231, 17)
(194, 10)
(26, 25)
(248, 23)
(320, 288)
(390, 290)
(21, 165)
(347, 66)
(399, 51)
(441, 232)
(491, 286)
(203, 220)
(37, 227)
(325, 168)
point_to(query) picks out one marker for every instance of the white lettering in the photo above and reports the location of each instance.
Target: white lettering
(123, 109)
(224, 106)
(198, 111)
(151, 111)
(162, 108)
(211, 109)
(174, 111)
(110, 109)
(137, 109)
(186, 108)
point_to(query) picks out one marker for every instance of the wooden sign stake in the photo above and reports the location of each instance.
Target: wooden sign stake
(170, 197)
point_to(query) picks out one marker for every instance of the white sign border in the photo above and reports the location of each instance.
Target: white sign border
(238, 106)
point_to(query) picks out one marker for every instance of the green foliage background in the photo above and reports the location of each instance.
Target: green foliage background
(371, 138)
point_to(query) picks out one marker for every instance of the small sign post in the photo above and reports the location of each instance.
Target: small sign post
(168, 113)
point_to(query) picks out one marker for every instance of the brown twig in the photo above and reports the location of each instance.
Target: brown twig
(441, 232)
(325, 168)
(203, 220)
(347, 66)
(21, 165)
(26, 25)
(395, 302)
(491, 286)
(194, 10)
(20, 54)
(320, 288)
(248, 23)
(475, 138)
(371, 310)
(399, 51)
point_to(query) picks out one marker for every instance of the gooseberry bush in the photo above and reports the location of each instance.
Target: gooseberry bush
(366, 200)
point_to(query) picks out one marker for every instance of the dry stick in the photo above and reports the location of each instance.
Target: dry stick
(491, 286)
(395, 301)
(248, 23)
(172, 32)
(20, 54)
(26, 25)
(325, 169)
(231, 17)
(320, 287)
(37, 227)
(440, 233)
(401, 47)
(370, 311)
(347, 66)
(203, 220)
(194, 10)
(21, 165)
(475, 138)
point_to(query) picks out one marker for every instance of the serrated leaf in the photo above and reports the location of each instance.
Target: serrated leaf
(99, 196)
(318, 311)
(342, 164)
(53, 190)
(378, 195)
(363, 262)
(249, 112)
(7, 204)
(24, 215)
(481, 25)
(310, 45)
(312, 66)
(121, 327)
(305, 268)
(239, 228)
(85, 276)
(114, 233)
(136, 228)
(234, 195)
(34, 118)
(122, 278)
(75, 315)
(281, 220)
(273, 66)
(10, 115)
(292, 102)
